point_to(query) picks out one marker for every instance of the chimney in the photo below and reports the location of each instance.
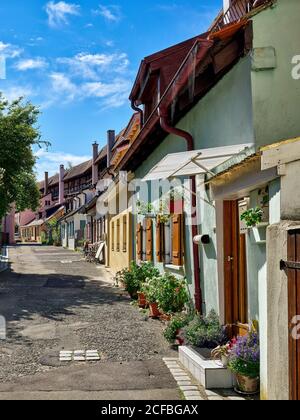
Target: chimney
(61, 184)
(95, 166)
(111, 139)
(46, 185)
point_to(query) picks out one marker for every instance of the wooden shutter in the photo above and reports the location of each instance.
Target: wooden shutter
(149, 240)
(177, 239)
(160, 242)
(139, 241)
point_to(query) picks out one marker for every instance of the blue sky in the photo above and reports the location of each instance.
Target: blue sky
(77, 60)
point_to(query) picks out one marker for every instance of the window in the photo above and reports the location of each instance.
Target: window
(118, 235)
(124, 233)
(113, 236)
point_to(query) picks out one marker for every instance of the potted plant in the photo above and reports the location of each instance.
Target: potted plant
(133, 278)
(205, 333)
(177, 322)
(142, 300)
(172, 294)
(245, 363)
(150, 291)
(252, 217)
(222, 353)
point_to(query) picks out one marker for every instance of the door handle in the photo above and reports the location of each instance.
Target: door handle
(230, 259)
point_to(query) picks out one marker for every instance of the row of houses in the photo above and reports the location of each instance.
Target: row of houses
(214, 134)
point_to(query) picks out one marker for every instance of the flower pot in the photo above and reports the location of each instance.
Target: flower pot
(154, 311)
(247, 385)
(225, 361)
(142, 300)
(166, 317)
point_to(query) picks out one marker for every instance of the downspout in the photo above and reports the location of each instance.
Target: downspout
(163, 114)
(139, 110)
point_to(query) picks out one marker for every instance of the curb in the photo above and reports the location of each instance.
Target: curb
(4, 260)
(187, 386)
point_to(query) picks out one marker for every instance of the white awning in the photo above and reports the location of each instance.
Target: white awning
(196, 162)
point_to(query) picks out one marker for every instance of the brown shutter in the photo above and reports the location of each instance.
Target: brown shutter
(149, 241)
(160, 242)
(139, 241)
(177, 239)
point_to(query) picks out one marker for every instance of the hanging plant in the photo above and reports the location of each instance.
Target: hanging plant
(252, 217)
(144, 209)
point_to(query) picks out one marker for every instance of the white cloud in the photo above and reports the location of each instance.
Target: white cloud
(31, 64)
(15, 92)
(50, 161)
(110, 13)
(9, 50)
(91, 66)
(63, 86)
(58, 13)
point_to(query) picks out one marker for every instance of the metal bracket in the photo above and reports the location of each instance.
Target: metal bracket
(292, 265)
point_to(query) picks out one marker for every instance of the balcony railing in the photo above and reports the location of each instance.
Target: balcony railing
(237, 11)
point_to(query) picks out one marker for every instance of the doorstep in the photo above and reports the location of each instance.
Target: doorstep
(209, 373)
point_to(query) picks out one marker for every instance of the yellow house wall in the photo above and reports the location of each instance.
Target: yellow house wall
(120, 259)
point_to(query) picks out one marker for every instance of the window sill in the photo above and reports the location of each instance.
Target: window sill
(174, 267)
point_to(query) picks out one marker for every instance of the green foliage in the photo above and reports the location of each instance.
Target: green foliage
(205, 332)
(172, 294)
(175, 325)
(252, 217)
(150, 288)
(134, 277)
(168, 291)
(53, 232)
(245, 368)
(44, 239)
(18, 135)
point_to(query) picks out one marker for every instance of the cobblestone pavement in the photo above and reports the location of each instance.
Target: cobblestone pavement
(53, 300)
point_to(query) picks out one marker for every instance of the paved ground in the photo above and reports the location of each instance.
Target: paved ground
(52, 300)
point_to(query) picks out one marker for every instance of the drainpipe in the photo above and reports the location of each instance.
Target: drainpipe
(163, 114)
(139, 110)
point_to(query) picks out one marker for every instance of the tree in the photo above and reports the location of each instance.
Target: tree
(18, 135)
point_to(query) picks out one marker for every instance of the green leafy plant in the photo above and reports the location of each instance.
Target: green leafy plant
(172, 294)
(144, 208)
(252, 217)
(245, 356)
(205, 332)
(175, 325)
(134, 277)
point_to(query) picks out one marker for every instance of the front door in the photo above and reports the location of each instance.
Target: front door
(235, 271)
(293, 272)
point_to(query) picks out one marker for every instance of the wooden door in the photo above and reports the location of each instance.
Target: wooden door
(292, 267)
(235, 271)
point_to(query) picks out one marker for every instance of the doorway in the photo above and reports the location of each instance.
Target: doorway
(235, 270)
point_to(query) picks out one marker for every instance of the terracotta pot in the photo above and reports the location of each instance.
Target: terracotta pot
(142, 300)
(165, 317)
(154, 311)
(247, 385)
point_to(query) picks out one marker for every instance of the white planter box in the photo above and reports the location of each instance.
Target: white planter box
(209, 373)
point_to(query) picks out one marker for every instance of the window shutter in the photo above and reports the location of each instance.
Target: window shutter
(177, 240)
(149, 240)
(160, 242)
(139, 241)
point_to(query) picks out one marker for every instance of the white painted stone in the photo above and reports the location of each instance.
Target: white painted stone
(189, 388)
(184, 383)
(194, 398)
(192, 394)
(219, 398)
(181, 378)
(79, 359)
